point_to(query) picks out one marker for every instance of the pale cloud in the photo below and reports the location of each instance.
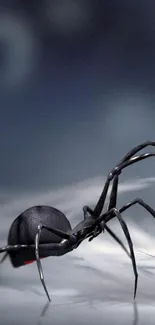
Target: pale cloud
(69, 199)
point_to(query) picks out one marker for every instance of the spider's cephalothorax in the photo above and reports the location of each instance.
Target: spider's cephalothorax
(43, 231)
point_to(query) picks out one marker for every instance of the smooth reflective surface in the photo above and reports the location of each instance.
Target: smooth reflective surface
(79, 311)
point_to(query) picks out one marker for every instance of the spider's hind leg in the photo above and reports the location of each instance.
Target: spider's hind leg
(8, 249)
(66, 242)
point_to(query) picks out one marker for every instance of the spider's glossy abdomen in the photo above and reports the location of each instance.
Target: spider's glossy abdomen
(24, 228)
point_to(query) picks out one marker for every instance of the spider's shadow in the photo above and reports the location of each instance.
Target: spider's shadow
(43, 312)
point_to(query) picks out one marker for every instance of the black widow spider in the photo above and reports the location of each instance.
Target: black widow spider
(43, 231)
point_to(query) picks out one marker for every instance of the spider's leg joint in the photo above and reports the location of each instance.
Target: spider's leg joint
(115, 210)
(84, 208)
(39, 227)
(115, 171)
(102, 225)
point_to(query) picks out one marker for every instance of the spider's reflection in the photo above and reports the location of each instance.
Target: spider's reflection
(48, 305)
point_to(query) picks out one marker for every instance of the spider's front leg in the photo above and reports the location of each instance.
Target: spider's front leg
(107, 216)
(101, 227)
(113, 175)
(116, 172)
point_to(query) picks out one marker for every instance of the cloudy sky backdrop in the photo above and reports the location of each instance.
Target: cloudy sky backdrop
(76, 93)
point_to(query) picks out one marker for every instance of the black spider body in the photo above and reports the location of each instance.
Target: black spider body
(24, 229)
(43, 231)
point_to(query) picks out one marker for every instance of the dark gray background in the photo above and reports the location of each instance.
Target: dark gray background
(76, 93)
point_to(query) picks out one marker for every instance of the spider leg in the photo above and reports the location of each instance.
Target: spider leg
(112, 204)
(4, 257)
(133, 151)
(113, 194)
(39, 265)
(116, 171)
(58, 232)
(127, 206)
(130, 154)
(111, 233)
(127, 235)
(112, 199)
(10, 248)
(67, 240)
(106, 217)
(103, 226)
(86, 211)
(140, 202)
